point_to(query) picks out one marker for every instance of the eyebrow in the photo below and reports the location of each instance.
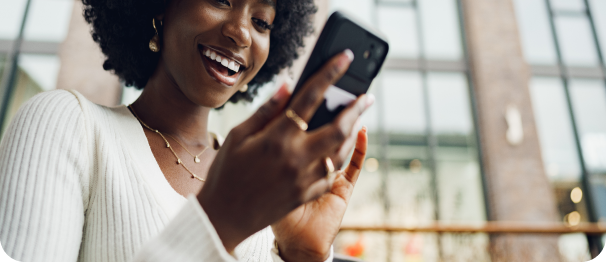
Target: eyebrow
(268, 2)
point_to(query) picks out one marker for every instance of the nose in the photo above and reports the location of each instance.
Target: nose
(237, 29)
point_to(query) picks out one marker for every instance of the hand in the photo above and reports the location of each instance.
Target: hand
(267, 166)
(307, 233)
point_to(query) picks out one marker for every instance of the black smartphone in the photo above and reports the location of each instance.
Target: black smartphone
(370, 49)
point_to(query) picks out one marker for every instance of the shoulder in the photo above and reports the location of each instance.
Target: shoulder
(45, 111)
(54, 112)
(50, 102)
(62, 104)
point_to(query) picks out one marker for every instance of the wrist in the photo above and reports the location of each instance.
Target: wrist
(296, 254)
(227, 234)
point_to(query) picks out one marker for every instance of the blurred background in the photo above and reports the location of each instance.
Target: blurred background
(487, 140)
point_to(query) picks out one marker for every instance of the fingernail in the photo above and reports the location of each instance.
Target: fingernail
(349, 54)
(281, 93)
(364, 129)
(370, 99)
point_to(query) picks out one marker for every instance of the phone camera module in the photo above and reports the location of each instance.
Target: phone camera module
(372, 66)
(366, 54)
(379, 51)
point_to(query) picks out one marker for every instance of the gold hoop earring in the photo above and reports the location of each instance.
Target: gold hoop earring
(154, 43)
(244, 89)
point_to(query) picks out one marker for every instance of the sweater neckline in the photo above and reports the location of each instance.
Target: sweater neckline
(164, 194)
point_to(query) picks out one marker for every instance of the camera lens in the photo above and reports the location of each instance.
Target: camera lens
(379, 51)
(372, 66)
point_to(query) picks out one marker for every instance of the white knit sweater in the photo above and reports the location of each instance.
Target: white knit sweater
(79, 182)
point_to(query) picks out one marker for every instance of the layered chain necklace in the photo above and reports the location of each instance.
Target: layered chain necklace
(179, 162)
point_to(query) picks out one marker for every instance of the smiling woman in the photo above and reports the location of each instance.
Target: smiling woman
(123, 30)
(147, 181)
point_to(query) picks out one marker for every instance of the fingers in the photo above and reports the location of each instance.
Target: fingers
(345, 149)
(311, 95)
(352, 171)
(327, 139)
(264, 114)
(319, 187)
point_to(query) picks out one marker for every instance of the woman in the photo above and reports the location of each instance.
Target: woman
(84, 182)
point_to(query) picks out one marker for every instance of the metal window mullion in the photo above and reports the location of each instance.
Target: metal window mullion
(593, 241)
(429, 130)
(429, 133)
(596, 40)
(383, 147)
(9, 76)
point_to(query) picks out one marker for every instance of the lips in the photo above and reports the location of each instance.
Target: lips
(224, 69)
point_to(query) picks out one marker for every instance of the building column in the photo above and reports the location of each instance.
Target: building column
(82, 64)
(518, 188)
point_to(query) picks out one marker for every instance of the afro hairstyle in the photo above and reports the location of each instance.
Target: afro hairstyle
(123, 29)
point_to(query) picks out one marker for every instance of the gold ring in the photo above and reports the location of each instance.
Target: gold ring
(330, 167)
(295, 118)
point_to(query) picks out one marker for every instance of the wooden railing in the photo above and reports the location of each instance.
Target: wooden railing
(491, 228)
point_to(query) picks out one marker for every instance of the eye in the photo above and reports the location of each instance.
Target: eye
(223, 2)
(262, 24)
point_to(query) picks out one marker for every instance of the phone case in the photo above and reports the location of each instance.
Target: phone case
(370, 49)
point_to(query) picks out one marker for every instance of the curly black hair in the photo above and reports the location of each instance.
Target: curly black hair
(122, 28)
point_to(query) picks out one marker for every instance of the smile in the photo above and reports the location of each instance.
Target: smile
(221, 67)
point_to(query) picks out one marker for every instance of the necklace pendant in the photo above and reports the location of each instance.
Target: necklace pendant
(196, 159)
(178, 161)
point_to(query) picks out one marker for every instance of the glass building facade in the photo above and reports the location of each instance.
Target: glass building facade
(423, 163)
(564, 43)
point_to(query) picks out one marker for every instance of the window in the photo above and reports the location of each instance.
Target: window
(569, 100)
(37, 67)
(423, 155)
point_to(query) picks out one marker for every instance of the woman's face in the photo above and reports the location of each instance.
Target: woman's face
(200, 33)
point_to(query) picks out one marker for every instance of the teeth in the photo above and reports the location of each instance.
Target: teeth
(226, 62)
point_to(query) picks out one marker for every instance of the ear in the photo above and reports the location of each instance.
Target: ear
(159, 18)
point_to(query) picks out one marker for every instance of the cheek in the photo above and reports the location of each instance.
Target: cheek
(185, 21)
(260, 51)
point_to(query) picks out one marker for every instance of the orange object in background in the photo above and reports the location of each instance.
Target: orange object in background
(357, 249)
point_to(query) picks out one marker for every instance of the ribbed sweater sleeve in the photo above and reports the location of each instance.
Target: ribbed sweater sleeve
(43, 186)
(190, 236)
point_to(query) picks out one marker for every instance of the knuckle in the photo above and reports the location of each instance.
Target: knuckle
(338, 134)
(292, 166)
(273, 147)
(312, 96)
(331, 73)
(264, 112)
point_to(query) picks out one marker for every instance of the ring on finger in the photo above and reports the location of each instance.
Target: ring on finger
(297, 120)
(330, 167)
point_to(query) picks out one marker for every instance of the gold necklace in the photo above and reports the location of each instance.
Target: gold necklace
(179, 162)
(196, 157)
